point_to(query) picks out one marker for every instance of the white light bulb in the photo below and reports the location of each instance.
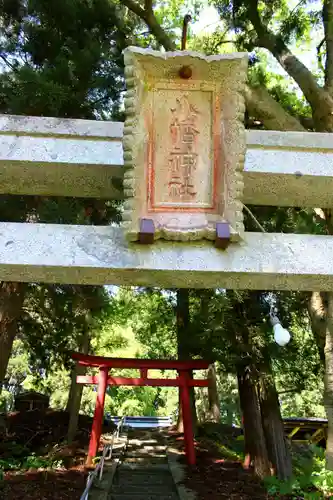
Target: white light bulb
(281, 335)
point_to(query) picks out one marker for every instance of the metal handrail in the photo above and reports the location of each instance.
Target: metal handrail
(106, 455)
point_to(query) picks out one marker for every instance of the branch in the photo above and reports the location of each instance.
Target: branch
(319, 55)
(259, 102)
(186, 21)
(254, 219)
(10, 65)
(134, 7)
(101, 99)
(295, 389)
(261, 105)
(155, 28)
(327, 15)
(313, 93)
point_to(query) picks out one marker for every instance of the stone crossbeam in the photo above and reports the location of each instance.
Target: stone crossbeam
(100, 255)
(60, 157)
(63, 157)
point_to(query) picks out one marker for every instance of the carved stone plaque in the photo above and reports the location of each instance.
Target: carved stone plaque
(184, 143)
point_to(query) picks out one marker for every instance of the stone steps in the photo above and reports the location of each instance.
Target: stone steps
(144, 478)
(100, 489)
(144, 473)
(140, 460)
(135, 486)
(147, 468)
(157, 489)
(140, 496)
(150, 479)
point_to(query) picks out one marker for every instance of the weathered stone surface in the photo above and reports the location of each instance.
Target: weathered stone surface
(178, 471)
(62, 157)
(289, 169)
(144, 479)
(47, 126)
(184, 143)
(101, 255)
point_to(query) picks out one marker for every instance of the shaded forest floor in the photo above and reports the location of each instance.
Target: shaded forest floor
(219, 473)
(38, 467)
(44, 485)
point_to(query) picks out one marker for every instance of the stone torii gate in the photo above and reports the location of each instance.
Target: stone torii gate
(184, 381)
(63, 157)
(185, 166)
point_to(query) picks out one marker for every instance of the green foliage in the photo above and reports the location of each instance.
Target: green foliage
(18, 457)
(229, 401)
(289, 22)
(151, 315)
(220, 41)
(60, 58)
(31, 461)
(6, 401)
(170, 15)
(50, 376)
(63, 58)
(311, 478)
(34, 461)
(228, 444)
(216, 320)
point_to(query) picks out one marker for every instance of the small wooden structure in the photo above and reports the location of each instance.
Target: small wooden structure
(31, 400)
(184, 381)
(306, 430)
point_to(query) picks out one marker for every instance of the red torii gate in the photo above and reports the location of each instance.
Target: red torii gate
(184, 381)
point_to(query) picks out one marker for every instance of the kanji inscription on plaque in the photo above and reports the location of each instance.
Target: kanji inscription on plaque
(184, 144)
(181, 167)
(183, 154)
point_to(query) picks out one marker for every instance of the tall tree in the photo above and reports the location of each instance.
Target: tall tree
(89, 301)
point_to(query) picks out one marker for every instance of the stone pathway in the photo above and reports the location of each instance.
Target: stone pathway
(101, 489)
(144, 473)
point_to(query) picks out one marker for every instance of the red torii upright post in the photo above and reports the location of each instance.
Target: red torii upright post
(184, 381)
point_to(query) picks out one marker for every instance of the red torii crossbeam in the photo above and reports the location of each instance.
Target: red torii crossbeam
(184, 381)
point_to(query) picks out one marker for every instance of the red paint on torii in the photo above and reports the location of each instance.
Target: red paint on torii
(184, 381)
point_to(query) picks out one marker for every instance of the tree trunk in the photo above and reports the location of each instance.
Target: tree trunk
(317, 313)
(213, 396)
(183, 348)
(277, 446)
(328, 393)
(76, 390)
(255, 444)
(320, 309)
(260, 103)
(11, 302)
